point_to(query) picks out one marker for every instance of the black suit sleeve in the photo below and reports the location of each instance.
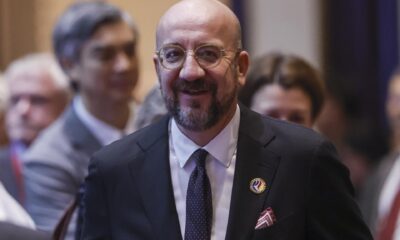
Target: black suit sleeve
(95, 210)
(332, 211)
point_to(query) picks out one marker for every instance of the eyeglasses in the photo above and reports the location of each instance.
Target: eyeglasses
(207, 56)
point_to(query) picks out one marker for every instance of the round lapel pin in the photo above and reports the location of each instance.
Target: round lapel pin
(258, 185)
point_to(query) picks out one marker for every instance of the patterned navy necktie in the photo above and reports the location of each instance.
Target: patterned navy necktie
(198, 201)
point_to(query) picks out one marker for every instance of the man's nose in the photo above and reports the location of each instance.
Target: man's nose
(24, 106)
(191, 70)
(122, 62)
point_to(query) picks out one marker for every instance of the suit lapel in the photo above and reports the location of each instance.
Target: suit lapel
(253, 160)
(78, 134)
(154, 183)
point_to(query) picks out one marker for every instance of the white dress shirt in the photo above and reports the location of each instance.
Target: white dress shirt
(220, 166)
(388, 194)
(102, 131)
(12, 212)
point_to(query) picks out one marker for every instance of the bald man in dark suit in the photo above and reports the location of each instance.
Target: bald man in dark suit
(213, 169)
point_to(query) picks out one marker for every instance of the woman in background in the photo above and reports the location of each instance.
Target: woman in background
(285, 87)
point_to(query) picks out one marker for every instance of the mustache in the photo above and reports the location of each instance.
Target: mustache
(199, 85)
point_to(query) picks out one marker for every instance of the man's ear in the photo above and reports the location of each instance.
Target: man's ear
(157, 66)
(71, 69)
(243, 67)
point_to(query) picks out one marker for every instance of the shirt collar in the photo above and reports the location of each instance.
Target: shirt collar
(222, 147)
(102, 131)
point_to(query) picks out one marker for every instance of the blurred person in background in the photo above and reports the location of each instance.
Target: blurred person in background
(289, 88)
(284, 86)
(151, 109)
(343, 121)
(380, 198)
(37, 93)
(95, 44)
(3, 100)
(393, 111)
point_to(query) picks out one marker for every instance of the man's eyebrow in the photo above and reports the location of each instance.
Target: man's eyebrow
(101, 48)
(105, 47)
(171, 44)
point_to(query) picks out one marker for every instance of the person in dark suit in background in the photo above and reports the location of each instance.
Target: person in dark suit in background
(213, 169)
(95, 44)
(380, 196)
(37, 93)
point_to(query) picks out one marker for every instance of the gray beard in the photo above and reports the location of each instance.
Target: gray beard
(193, 117)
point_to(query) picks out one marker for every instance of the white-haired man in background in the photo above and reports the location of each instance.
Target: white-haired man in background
(37, 93)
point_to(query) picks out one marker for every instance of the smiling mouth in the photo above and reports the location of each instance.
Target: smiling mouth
(194, 92)
(122, 83)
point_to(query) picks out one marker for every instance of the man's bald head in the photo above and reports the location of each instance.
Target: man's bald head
(201, 12)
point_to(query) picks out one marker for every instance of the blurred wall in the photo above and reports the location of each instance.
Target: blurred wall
(284, 25)
(16, 29)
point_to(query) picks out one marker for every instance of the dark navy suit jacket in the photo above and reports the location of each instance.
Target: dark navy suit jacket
(129, 194)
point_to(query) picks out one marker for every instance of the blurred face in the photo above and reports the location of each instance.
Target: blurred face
(393, 104)
(197, 95)
(34, 103)
(291, 105)
(107, 71)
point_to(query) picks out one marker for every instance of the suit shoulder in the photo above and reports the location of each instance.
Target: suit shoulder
(302, 140)
(295, 131)
(287, 133)
(50, 143)
(130, 146)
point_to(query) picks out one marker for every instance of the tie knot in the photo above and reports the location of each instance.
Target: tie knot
(199, 156)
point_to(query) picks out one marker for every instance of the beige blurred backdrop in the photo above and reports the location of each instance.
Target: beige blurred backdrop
(26, 25)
